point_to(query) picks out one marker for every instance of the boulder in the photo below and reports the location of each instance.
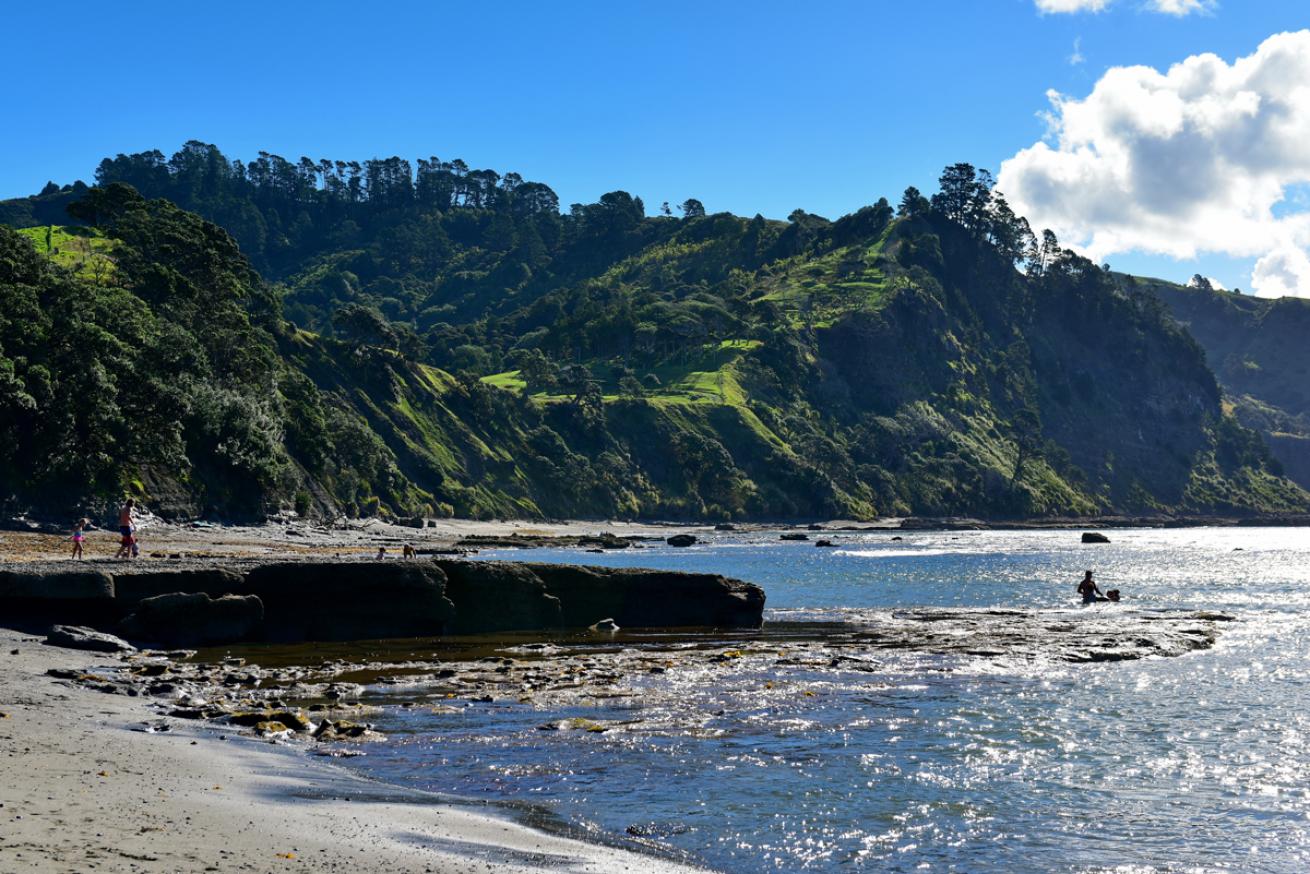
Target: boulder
(641, 598)
(356, 600)
(344, 729)
(79, 637)
(681, 540)
(272, 728)
(793, 537)
(498, 596)
(1094, 537)
(194, 619)
(605, 540)
(135, 586)
(88, 585)
(288, 719)
(824, 543)
(725, 526)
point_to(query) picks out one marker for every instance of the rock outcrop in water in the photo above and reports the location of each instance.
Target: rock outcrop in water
(355, 600)
(640, 598)
(499, 596)
(288, 601)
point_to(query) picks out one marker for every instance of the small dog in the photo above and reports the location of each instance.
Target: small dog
(410, 552)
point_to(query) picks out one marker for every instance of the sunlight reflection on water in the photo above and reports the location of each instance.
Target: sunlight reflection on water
(896, 760)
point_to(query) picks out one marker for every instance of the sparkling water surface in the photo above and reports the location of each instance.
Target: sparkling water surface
(998, 762)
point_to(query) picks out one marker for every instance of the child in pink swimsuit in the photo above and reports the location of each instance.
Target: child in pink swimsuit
(78, 537)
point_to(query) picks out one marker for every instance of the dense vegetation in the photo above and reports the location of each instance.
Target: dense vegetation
(1259, 352)
(447, 341)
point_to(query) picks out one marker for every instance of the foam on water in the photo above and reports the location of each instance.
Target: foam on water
(938, 717)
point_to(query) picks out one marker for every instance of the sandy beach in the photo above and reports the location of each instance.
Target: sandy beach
(86, 789)
(159, 539)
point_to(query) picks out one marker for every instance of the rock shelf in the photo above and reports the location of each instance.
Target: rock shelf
(191, 602)
(328, 693)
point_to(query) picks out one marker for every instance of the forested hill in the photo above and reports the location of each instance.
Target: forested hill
(1258, 349)
(447, 341)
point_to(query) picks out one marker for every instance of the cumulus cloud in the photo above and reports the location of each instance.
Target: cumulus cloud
(1281, 273)
(1199, 158)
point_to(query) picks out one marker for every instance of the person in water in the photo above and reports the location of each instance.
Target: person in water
(1089, 591)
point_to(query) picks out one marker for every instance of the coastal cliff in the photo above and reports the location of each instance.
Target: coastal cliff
(610, 365)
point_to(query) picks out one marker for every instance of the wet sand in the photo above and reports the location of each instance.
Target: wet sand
(82, 790)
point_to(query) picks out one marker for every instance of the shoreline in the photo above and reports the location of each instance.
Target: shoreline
(83, 788)
(362, 537)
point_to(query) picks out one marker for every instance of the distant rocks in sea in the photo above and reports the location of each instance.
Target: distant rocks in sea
(1094, 537)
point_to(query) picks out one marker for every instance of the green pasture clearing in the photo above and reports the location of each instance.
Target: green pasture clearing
(85, 251)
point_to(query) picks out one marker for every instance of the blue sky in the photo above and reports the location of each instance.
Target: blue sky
(751, 107)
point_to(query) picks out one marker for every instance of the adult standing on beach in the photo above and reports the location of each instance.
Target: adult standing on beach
(126, 524)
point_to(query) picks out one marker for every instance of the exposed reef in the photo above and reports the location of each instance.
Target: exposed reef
(189, 603)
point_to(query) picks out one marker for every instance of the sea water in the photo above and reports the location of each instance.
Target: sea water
(1006, 760)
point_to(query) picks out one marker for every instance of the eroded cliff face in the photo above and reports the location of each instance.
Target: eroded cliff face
(1071, 392)
(1259, 350)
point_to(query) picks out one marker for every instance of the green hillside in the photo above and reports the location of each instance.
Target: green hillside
(1258, 350)
(448, 342)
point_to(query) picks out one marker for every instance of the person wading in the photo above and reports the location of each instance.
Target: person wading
(1088, 589)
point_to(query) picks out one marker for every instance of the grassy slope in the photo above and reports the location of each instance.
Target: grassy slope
(85, 251)
(814, 292)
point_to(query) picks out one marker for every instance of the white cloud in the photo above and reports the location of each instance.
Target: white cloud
(1193, 159)
(1283, 272)
(1180, 7)
(1077, 57)
(1058, 6)
(1177, 8)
